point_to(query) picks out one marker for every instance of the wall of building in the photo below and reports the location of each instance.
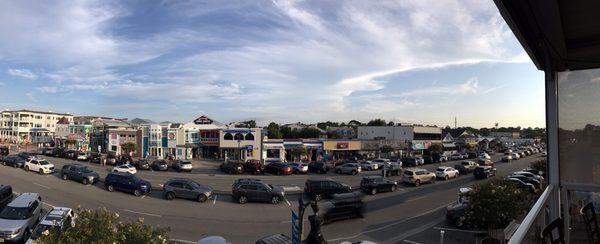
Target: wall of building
(401, 133)
(250, 148)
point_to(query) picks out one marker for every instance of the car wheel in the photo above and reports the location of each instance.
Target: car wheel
(354, 172)
(137, 193)
(85, 181)
(202, 198)
(15, 166)
(242, 199)
(41, 171)
(418, 183)
(447, 177)
(169, 196)
(373, 191)
(26, 167)
(65, 177)
(275, 200)
(393, 188)
(110, 188)
(318, 197)
(4, 163)
(115, 171)
(338, 171)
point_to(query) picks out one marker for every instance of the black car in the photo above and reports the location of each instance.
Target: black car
(484, 172)
(57, 152)
(111, 158)
(254, 166)
(6, 195)
(47, 151)
(4, 151)
(25, 156)
(455, 214)
(70, 154)
(141, 164)
(341, 206)
(160, 165)
(79, 173)
(536, 183)
(528, 187)
(429, 159)
(95, 157)
(318, 189)
(462, 169)
(124, 159)
(186, 188)
(13, 161)
(232, 167)
(126, 182)
(472, 155)
(245, 190)
(318, 167)
(409, 162)
(374, 184)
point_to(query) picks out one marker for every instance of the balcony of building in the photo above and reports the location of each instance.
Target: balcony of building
(563, 39)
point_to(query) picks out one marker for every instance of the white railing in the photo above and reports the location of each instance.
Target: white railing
(534, 221)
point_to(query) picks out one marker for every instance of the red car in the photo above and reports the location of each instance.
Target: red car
(278, 169)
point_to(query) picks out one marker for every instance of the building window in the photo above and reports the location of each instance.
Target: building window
(228, 136)
(238, 137)
(249, 137)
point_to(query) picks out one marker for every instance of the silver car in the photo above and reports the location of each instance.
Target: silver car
(349, 168)
(19, 217)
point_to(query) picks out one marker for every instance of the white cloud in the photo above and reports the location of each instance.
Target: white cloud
(23, 73)
(470, 86)
(48, 89)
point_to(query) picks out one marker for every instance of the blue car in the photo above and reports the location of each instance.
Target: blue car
(127, 183)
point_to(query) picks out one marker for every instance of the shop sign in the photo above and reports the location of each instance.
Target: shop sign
(342, 145)
(171, 136)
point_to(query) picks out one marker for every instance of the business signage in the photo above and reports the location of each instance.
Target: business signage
(171, 136)
(249, 147)
(342, 145)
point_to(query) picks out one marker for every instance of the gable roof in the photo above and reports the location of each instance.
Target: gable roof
(63, 121)
(205, 120)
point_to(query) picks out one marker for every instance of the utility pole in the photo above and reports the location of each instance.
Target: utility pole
(455, 122)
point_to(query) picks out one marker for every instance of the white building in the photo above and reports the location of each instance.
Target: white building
(419, 137)
(27, 126)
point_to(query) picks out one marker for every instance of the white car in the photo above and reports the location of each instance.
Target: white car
(446, 173)
(380, 162)
(368, 165)
(125, 168)
(516, 156)
(485, 156)
(82, 156)
(53, 220)
(39, 165)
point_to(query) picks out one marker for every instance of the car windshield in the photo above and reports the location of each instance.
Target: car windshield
(14, 213)
(194, 184)
(440, 169)
(44, 162)
(86, 170)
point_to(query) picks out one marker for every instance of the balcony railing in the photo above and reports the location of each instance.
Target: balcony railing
(537, 218)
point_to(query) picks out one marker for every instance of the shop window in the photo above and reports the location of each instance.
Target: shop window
(238, 137)
(228, 136)
(249, 137)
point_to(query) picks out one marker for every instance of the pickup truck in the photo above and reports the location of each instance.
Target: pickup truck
(469, 165)
(392, 168)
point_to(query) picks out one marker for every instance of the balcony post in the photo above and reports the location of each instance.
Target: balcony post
(552, 140)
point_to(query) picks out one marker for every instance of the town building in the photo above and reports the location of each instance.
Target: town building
(512, 135)
(344, 132)
(29, 127)
(104, 135)
(292, 150)
(417, 138)
(240, 143)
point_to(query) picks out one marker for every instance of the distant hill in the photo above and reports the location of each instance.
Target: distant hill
(138, 121)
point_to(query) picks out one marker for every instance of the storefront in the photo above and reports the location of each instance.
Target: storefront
(336, 150)
(273, 150)
(240, 144)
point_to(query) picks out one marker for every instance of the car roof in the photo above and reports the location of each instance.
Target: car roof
(24, 200)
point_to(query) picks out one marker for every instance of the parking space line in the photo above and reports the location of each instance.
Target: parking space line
(48, 204)
(181, 241)
(416, 198)
(215, 200)
(458, 230)
(412, 242)
(142, 213)
(288, 202)
(40, 185)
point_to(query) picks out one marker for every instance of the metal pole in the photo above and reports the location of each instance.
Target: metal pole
(442, 236)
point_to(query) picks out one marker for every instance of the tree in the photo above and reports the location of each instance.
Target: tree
(386, 149)
(247, 124)
(436, 148)
(391, 123)
(128, 147)
(324, 125)
(298, 152)
(102, 226)
(493, 204)
(376, 122)
(354, 123)
(273, 131)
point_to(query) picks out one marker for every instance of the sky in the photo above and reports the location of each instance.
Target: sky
(421, 61)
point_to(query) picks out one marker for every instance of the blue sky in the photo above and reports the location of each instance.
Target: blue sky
(285, 61)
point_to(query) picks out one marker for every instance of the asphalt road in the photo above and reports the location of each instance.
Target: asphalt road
(390, 217)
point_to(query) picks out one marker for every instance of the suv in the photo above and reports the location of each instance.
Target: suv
(469, 165)
(141, 164)
(182, 165)
(409, 162)
(6, 195)
(232, 167)
(19, 217)
(70, 154)
(79, 173)
(56, 219)
(484, 172)
(126, 182)
(160, 165)
(318, 189)
(374, 184)
(318, 167)
(186, 188)
(244, 190)
(14, 161)
(418, 176)
(393, 168)
(95, 157)
(446, 172)
(349, 168)
(39, 165)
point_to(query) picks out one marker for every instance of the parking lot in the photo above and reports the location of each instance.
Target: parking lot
(385, 219)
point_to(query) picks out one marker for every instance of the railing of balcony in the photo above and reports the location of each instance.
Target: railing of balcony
(537, 218)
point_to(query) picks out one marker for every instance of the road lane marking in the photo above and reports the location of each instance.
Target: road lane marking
(40, 185)
(416, 198)
(459, 230)
(215, 200)
(416, 230)
(288, 202)
(142, 213)
(412, 242)
(390, 225)
(286, 222)
(142, 196)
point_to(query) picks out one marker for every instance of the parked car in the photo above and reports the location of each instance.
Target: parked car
(536, 183)
(160, 165)
(534, 171)
(368, 166)
(472, 155)
(349, 168)
(126, 182)
(79, 173)
(70, 154)
(446, 173)
(95, 157)
(392, 168)
(56, 219)
(439, 158)
(516, 156)
(461, 169)
(232, 167)
(320, 188)
(278, 169)
(13, 161)
(318, 167)
(4, 151)
(530, 175)
(25, 156)
(380, 162)
(46, 151)
(484, 156)
(82, 156)
(455, 213)
(299, 168)
(528, 187)
(39, 165)
(456, 156)
(125, 168)
(507, 158)
(429, 160)
(484, 172)
(341, 206)
(141, 164)
(19, 217)
(56, 152)
(485, 162)
(182, 165)
(420, 160)
(186, 188)
(417, 176)
(375, 184)
(111, 158)
(255, 166)
(6, 195)
(252, 190)
(409, 162)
